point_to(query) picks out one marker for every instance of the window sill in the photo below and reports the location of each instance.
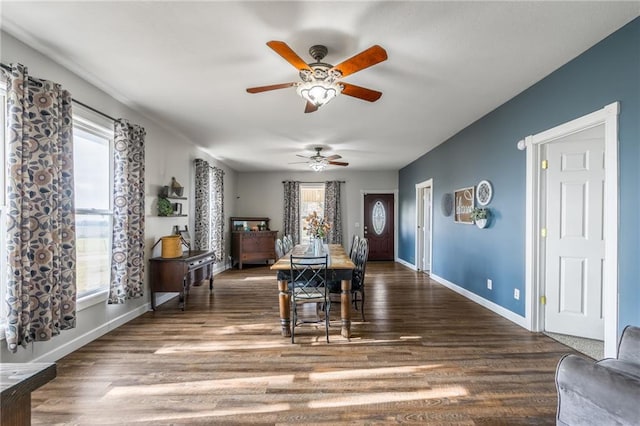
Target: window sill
(92, 299)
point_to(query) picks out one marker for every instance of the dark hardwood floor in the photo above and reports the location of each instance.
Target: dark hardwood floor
(425, 355)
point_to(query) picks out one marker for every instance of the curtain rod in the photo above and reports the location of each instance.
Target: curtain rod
(8, 68)
(340, 181)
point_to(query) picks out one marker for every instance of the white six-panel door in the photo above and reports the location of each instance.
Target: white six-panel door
(573, 186)
(426, 241)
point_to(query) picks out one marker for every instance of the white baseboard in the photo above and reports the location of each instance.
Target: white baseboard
(92, 335)
(503, 312)
(221, 267)
(407, 264)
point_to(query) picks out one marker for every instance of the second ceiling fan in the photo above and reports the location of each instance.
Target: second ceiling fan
(319, 162)
(321, 82)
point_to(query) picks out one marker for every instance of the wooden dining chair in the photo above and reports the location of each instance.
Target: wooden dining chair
(309, 285)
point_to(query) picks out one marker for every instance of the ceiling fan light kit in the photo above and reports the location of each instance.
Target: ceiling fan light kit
(319, 162)
(318, 166)
(319, 93)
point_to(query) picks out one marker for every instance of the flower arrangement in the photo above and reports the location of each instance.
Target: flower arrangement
(316, 227)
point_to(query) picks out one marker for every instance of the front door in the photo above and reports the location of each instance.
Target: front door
(574, 244)
(378, 225)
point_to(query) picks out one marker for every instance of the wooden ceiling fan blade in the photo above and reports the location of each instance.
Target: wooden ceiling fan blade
(338, 163)
(373, 55)
(360, 92)
(261, 89)
(283, 49)
(333, 157)
(310, 107)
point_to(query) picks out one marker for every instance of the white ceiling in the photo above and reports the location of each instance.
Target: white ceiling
(186, 65)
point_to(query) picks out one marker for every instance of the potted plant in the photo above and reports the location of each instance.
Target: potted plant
(480, 216)
(164, 207)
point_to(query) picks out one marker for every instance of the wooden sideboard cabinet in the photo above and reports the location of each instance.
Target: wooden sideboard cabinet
(252, 240)
(180, 273)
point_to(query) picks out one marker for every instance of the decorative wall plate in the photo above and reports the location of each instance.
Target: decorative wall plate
(484, 192)
(447, 204)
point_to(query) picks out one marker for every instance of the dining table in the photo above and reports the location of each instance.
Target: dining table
(339, 268)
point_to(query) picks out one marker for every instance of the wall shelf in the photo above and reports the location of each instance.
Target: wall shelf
(176, 205)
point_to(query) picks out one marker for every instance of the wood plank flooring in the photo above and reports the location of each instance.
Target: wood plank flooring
(425, 355)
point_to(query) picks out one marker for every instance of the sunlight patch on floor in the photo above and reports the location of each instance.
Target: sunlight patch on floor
(320, 403)
(255, 409)
(369, 372)
(221, 346)
(200, 386)
(386, 397)
(261, 278)
(234, 329)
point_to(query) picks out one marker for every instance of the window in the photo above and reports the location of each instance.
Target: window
(93, 176)
(311, 199)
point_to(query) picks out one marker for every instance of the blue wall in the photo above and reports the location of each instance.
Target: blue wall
(466, 255)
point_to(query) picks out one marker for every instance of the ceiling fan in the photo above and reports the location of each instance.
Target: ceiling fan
(319, 162)
(322, 82)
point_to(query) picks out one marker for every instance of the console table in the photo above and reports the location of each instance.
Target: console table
(17, 381)
(180, 273)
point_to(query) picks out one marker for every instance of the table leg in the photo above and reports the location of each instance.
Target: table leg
(285, 307)
(153, 300)
(345, 308)
(185, 291)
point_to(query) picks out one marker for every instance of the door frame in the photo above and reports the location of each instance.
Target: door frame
(419, 243)
(364, 192)
(534, 311)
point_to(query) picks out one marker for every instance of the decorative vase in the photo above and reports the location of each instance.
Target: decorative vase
(176, 188)
(317, 246)
(481, 223)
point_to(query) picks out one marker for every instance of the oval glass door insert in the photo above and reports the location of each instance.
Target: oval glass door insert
(378, 217)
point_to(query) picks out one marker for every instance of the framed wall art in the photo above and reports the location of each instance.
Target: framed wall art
(463, 204)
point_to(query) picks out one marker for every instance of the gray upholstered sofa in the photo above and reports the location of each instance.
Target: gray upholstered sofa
(605, 392)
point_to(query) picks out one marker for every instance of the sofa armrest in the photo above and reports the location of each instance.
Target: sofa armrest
(629, 348)
(591, 394)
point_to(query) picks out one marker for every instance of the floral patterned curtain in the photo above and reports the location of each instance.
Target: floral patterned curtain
(41, 264)
(217, 213)
(127, 259)
(291, 219)
(209, 205)
(333, 211)
(202, 228)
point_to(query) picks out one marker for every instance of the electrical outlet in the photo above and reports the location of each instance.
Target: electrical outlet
(516, 294)
(489, 284)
